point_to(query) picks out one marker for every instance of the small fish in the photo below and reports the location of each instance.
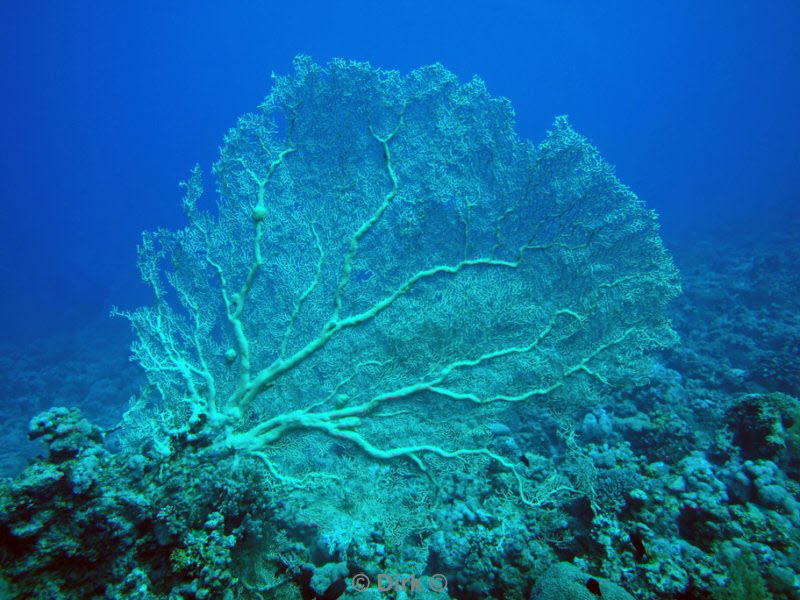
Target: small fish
(524, 460)
(638, 545)
(335, 590)
(593, 586)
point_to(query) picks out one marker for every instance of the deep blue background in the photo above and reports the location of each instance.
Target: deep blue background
(107, 105)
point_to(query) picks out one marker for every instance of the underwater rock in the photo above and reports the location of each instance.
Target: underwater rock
(767, 427)
(65, 431)
(564, 581)
(596, 426)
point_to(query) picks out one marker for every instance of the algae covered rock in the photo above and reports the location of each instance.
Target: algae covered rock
(564, 581)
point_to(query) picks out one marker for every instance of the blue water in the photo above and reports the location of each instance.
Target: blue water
(107, 106)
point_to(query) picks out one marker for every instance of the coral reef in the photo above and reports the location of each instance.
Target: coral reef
(680, 478)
